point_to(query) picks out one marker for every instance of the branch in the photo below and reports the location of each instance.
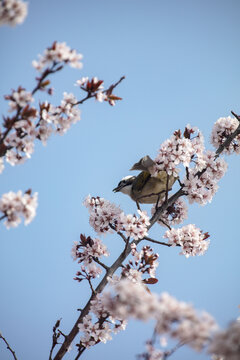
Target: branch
(230, 138)
(3, 217)
(158, 242)
(100, 263)
(107, 91)
(8, 347)
(70, 337)
(164, 206)
(170, 352)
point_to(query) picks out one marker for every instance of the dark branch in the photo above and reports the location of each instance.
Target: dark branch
(8, 347)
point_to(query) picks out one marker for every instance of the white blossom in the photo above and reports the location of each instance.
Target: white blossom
(174, 214)
(13, 12)
(103, 214)
(222, 128)
(133, 226)
(82, 81)
(14, 205)
(226, 344)
(190, 238)
(58, 53)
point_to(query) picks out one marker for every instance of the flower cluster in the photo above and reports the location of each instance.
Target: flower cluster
(190, 238)
(222, 128)
(58, 53)
(127, 299)
(226, 344)
(144, 263)
(58, 119)
(179, 150)
(19, 142)
(99, 331)
(19, 99)
(12, 12)
(133, 226)
(105, 216)
(14, 205)
(174, 214)
(202, 186)
(87, 251)
(95, 88)
(181, 321)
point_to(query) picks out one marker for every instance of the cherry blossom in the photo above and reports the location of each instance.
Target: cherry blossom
(58, 53)
(14, 205)
(202, 187)
(226, 344)
(103, 214)
(174, 214)
(222, 128)
(190, 238)
(86, 251)
(144, 263)
(13, 12)
(133, 226)
(182, 322)
(179, 150)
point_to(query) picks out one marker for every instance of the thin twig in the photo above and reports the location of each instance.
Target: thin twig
(158, 242)
(170, 352)
(92, 289)
(8, 347)
(3, 217)
(118, 232)
(100, 263)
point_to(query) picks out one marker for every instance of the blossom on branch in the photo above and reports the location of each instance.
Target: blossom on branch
(174, 214)
(19, 98)
(190, 238)
(201, 187)
(179, 149)
(144, 263)
(133, 226)
(87, 251)
(182, 322)
(226, 344)
(14, 205)
(13, 12)
(105, 216)
(222, 128)
(56, 54)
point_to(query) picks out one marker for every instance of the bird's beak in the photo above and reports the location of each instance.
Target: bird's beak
(117, 189)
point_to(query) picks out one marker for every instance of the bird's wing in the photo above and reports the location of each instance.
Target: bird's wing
(140, 181)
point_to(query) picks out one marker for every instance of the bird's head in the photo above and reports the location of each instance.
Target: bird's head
(125, 185)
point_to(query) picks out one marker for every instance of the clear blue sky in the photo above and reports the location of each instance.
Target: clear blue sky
(181, 62)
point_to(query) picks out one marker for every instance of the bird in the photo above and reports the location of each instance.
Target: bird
(145, 188)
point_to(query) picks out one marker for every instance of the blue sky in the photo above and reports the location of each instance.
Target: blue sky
(181, 62)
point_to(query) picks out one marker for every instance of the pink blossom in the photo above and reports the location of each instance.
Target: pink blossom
(222, 128)
(58, 53)
(103, 214)
(226, 343)
(133, 226)
(14, 205)
(174, 214)
(190, 238)
(12, 12)
(86, 251)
